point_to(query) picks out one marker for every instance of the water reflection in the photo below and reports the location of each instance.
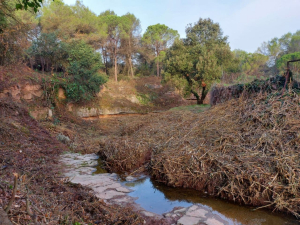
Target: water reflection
(158, 198)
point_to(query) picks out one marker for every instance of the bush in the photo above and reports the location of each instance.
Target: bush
(84, 77)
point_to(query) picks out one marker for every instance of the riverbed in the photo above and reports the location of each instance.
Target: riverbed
(153, 199)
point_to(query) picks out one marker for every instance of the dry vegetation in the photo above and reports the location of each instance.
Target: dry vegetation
(14, 75)
(245, 150)
(42, 194)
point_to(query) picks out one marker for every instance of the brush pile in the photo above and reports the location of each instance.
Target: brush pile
(244, 150)
(221, 94)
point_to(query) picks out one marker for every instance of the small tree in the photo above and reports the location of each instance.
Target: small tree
(84, 79)
(158, 37)
(199, 58)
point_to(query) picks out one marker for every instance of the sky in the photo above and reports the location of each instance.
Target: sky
(247, 23)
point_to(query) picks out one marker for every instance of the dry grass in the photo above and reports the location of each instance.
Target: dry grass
(245, 150)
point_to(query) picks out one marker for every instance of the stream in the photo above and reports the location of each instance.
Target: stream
(160, 199)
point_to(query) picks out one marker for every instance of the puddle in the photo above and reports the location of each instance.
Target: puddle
(158, 198)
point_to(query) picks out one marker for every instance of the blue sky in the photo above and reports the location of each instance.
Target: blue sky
(247, 22)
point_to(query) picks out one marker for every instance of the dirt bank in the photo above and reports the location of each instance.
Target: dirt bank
(244, 150)
(31, 152)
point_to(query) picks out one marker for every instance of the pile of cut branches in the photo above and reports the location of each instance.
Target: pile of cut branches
(220, 94)
(245, 150)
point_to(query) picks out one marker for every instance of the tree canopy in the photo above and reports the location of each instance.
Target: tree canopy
(199, 58)
(159, 37)
(43, 40)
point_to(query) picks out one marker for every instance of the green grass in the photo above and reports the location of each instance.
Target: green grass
(192, 108)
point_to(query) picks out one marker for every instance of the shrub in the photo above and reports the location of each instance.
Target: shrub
(84, 77)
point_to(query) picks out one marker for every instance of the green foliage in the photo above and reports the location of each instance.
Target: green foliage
(26, 4)
(199, 58)
(146, 99)
(84, 78)
(250, 62)
(276, 48)
(282, 62)
(158, 38)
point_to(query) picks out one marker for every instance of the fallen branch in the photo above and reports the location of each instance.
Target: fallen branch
(13, 194)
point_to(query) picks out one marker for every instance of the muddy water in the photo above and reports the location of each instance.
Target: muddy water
(158, 198)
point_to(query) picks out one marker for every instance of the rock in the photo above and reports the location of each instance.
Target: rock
(188, 220)
(180, 210)
(123, 189)
(106, 195)
(62, 138)
(50, 113)
(149, 214)
(196, 212)
(213, 221)
(61, 94)
(130, 178)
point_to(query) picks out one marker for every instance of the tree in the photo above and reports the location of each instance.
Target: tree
(34, 4)
(158, 37)
(130, 40)
(84, 79)
(200, 58)
(13, 33)
(281, 63)
(114, 29)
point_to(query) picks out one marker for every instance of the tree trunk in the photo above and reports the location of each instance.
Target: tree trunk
(197, 97)
(130, 67)
(104, 59)
(31, 63)
(116, 75)
(42, 64)
(129, 59)
(157, 57)
(203, 95)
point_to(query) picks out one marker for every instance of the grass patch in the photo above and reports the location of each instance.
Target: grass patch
(192, 108)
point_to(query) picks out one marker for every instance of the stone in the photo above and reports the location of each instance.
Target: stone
(213, 221)
(197, 212)
(123, 189)
(188, 220)
(50, 113)
(130, 178)
(149, 214)
(109, 194)
(61, 94)
(180, 210)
